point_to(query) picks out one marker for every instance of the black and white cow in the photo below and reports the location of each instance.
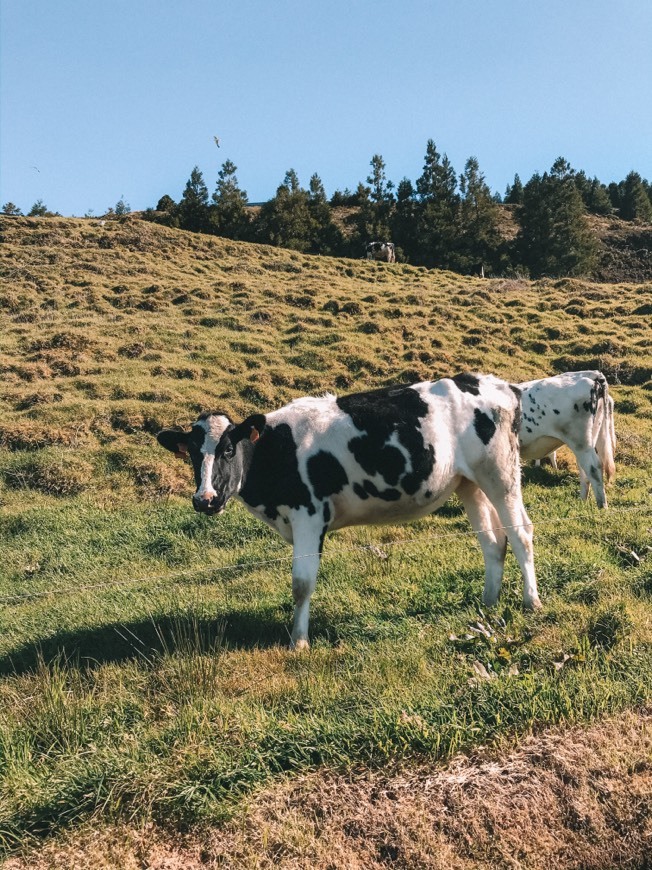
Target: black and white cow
(387, 456)
(381, 251)
(573, 409)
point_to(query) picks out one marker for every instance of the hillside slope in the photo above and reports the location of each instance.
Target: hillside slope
(170, 321)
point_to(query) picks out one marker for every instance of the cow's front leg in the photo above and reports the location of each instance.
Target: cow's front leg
(305, 565)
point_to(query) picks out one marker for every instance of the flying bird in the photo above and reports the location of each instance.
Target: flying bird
(217, 141)
(36, 168)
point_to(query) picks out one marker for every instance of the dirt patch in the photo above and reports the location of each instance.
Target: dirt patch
(580, 798)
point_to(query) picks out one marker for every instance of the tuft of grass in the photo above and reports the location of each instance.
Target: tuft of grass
(48, 472)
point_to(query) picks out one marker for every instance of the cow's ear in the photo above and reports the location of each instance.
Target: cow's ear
(175, 440)
(251, 428)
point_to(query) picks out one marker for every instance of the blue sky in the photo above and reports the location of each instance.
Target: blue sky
(103, 99)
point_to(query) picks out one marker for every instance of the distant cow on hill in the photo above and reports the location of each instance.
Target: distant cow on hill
(573, 409)
(387, 456)
(381, 251)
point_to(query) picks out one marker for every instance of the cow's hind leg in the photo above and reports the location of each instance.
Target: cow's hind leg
(493, 541)
(505, 496)
(590, 468)
(305, 565)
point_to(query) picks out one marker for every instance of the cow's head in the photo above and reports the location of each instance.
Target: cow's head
(220, 453)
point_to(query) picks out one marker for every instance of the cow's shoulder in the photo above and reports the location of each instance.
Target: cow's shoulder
(274, 477)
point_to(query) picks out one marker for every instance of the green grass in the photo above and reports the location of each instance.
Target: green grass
(144, 668)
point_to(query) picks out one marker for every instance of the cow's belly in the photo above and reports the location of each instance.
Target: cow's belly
(539, 447)
(350, 510)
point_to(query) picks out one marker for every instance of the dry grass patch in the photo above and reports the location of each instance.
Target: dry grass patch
(578, 799)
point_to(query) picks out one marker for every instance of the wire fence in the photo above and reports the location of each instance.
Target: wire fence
(374, 549)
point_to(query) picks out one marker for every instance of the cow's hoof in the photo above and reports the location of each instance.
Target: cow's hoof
(532, 604)
(300, 645)
(490, 600)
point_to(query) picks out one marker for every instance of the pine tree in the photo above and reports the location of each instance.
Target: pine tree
(514, 194)
(635, 204)
(39, 209)
(480, 240)
(121, 207)
(597, 199)
(554, 239)
(438, 211)
(192, 211)
(10, 208)
(615, 191)
(381, 197)
(228, 215)
(165, 203)
(285, 220)
(593, 193)
(403, 223)
(326, 237)
(364, 220)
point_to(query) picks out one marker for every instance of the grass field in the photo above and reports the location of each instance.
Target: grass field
(143, 648)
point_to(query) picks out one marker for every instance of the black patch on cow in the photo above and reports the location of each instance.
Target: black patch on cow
(360, 492)
(597, 391)
(555, 411)
(528, 429)
(384, 494)
(423, 459)
(484, 426)
(273, 477)
(374, 457)
(326, 474)
(380, 414)
(576, 406)
(326, 511)
(467, 383)
(517, 420)
(322, 538)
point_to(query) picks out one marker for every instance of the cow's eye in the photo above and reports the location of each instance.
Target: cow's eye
(229, 451)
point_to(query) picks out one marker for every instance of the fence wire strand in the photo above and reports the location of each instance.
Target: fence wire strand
(374, 549)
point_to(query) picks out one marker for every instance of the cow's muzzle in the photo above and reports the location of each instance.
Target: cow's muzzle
(208, 505)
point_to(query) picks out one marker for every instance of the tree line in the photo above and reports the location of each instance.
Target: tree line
(442, 220)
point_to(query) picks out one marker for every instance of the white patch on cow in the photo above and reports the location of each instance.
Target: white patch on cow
(214, 427)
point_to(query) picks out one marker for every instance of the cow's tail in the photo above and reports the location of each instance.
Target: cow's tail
(605, 444)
